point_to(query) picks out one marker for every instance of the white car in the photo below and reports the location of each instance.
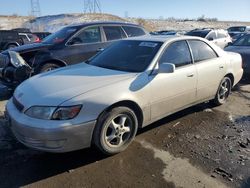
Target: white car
(219, 37)
(128, 86)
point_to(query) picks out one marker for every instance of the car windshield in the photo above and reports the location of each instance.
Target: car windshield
(202, 34)
(243, 41)
(237, 29)
(60, 35)
(128, 56)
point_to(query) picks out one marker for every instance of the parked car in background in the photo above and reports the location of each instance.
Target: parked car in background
(238, 31)
(159, 32)
(9, 39)
(16, 37)
(41, 35)
(219, 37)
(128, 86)
(170, 32)
(242, 46)
(70, 45)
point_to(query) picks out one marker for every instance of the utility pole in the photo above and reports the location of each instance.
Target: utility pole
(92, 6)
(35, 12)
(35, 8)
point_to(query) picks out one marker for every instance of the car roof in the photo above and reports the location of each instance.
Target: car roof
(80, 25)
(162, 38)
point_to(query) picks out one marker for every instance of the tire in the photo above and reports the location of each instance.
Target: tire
(115, 130)
(11, 46)
(48, 67)
(223, 92)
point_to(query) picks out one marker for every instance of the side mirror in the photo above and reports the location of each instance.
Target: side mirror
(75, 40)
(230, 44)
(166, 68)
(210, 39)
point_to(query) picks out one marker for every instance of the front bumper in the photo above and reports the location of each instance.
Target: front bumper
(31, 132)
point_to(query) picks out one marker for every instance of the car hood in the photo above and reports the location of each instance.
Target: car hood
(55, 87)
(31, 47)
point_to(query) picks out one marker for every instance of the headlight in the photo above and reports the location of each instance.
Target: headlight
(40, 112)
(53, 113)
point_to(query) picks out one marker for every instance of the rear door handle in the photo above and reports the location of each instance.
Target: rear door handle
(221, 67)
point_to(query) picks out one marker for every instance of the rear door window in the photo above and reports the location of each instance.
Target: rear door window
(201, 51)
(113, 33)
(177, 53)
(221, 35)
(211, 36)
(133, 31)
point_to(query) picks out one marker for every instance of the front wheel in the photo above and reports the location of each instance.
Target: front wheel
(223, 91)
(10, 46)
(48, 67)
(115, 130)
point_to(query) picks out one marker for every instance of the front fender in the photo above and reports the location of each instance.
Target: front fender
(96, 101)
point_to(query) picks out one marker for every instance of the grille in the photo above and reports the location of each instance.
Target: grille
(17, 104)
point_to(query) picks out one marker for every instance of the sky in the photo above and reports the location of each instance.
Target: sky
(231, 10)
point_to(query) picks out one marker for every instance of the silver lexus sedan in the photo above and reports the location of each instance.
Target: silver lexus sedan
(129, 85)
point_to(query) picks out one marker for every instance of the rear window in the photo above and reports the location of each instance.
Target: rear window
(133, 31)
(237, 29)
(243, 41)
(201, 34)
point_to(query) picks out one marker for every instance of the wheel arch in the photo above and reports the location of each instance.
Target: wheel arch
(130, 104)
(11, 43)
(55, 61)
(231, 76)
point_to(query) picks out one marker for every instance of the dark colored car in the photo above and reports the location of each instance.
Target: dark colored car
(16, 37)
(9, 39)
(70, 45)
(242, 46)
(238, 31)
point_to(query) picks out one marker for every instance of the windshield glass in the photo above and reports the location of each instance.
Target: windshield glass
(128, 56)
(60, 35)
(243, 41)
(202, 34)
(236, 29)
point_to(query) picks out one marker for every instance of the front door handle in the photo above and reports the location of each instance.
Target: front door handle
(100, 49)
(190, 75)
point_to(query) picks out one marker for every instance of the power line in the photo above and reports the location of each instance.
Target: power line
(92, 6)
(35, 8)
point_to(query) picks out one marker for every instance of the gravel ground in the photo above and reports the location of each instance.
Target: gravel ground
(203, 146)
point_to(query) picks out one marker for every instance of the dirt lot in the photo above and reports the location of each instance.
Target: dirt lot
(203, 146)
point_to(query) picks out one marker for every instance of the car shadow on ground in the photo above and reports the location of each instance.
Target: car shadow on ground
(27, 166)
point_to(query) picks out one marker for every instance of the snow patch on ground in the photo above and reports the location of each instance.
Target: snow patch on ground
(181, 172)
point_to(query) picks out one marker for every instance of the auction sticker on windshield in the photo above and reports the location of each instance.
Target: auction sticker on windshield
(148, 44)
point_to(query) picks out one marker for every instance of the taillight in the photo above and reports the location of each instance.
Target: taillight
(38, 39)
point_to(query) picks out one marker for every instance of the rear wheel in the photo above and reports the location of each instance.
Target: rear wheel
(49, 67)
(115, 130)
(223, 91)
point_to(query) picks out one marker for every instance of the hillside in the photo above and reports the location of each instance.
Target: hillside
(54, 22)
